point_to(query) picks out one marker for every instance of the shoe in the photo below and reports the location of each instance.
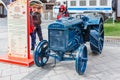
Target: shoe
(32, 48)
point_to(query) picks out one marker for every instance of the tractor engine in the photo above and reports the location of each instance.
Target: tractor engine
(66, 34)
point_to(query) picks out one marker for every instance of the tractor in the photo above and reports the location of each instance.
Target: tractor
(68, 35)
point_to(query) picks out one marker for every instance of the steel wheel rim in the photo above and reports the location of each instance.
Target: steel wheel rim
(81, 60)
(41, 54)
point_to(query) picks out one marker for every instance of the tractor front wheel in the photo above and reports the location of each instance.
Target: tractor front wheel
(41, 54)
(81, 60)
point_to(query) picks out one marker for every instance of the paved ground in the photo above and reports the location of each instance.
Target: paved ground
(101, 67)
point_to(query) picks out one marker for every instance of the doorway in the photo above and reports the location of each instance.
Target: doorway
(3, 11)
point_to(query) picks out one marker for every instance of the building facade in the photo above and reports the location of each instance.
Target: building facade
(4, 3)
(3, 7)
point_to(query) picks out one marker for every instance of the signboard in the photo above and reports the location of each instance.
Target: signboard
(18, 34)
(17, 29)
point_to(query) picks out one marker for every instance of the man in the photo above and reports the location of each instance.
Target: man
(37, 23)
(32, 29)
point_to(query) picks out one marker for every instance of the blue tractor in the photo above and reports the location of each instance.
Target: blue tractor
(69, 35)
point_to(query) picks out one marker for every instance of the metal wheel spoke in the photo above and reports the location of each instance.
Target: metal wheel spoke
(44, 49)
(84, 59)
(41, 49)
(44, 59)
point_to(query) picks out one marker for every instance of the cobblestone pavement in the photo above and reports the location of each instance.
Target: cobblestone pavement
(100, 67)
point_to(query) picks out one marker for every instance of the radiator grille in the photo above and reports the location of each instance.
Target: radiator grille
(57, 39)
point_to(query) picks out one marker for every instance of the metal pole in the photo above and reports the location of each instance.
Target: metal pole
(28, 29)
(113, 17)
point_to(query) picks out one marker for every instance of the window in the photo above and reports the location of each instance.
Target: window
(92, 3)
(57, 4)
(82, 3)
(49, 6)
(103, 2)
(72, 3)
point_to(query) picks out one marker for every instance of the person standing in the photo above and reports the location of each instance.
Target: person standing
(37, 23)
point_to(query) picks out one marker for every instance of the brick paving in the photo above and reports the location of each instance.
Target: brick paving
(101, 67)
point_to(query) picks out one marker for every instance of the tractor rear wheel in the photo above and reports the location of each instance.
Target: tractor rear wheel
(97, 38)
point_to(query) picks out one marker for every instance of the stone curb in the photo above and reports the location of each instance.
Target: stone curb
(112, 37)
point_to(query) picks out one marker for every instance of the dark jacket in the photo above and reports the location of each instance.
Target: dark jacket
(36, 19)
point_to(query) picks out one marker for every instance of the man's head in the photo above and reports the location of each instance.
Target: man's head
(34, 8)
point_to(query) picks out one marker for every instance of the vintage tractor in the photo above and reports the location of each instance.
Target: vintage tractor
(69, 35)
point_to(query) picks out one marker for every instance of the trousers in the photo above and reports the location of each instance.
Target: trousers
(32, 40)
(38, 31)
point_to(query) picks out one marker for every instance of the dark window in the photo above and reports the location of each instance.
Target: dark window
(49, 6)
(92, 3)
(2, 9)
(82, 3)
(103, 2)
(72, 3)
